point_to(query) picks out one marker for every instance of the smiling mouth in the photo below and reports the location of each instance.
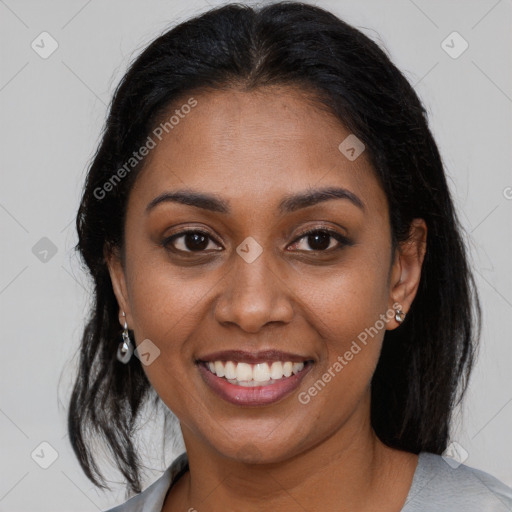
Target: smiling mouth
(255, 375)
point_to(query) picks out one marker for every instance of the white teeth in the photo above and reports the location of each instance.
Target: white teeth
(243, 371)
(276, 370)
(261, 372)
(249, 375)
(297, 367)
(219, 369)
(287, 368)
(230, 370)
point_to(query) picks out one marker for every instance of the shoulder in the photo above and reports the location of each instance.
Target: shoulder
(152, 498)
(440, 485)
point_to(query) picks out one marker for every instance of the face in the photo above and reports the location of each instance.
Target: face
(231, 284)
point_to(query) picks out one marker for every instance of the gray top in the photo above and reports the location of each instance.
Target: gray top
(437, 486)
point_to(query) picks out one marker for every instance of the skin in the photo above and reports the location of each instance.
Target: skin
(252, 149)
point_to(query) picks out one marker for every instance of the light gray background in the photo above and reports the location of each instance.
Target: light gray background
(52, 112)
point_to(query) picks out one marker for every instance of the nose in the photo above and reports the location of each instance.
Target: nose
(253, 295)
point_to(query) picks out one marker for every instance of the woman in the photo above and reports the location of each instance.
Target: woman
(268, 220)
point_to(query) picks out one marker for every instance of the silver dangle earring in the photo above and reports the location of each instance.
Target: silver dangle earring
(399, 316)
(125, 349)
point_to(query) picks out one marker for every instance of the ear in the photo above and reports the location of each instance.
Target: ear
(118, 278)
(406, 269)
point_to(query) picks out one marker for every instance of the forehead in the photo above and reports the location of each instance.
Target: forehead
(257, 144)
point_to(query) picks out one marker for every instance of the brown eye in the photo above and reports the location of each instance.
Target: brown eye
(189, 241)
(320, 240)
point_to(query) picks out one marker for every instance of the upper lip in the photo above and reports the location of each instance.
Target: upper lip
(242, 356)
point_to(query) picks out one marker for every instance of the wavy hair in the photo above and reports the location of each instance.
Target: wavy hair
(424, 365)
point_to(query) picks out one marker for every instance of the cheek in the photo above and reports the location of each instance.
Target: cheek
(343, 301)
(349, 310)
(167, 308)
(165, 300)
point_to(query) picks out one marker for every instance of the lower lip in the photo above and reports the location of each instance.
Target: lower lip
(258, 395)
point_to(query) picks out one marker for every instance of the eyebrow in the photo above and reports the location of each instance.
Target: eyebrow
(289, 204)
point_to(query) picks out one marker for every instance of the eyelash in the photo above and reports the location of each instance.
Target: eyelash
(342, 240)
